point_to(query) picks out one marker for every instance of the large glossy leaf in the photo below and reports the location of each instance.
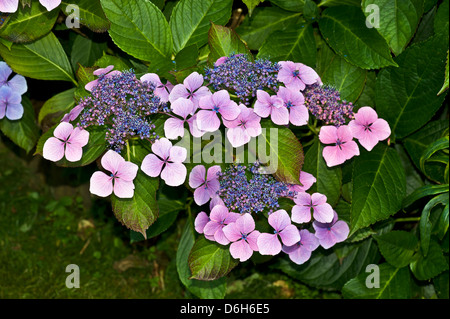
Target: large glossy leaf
(43, 59)
(23, 132)
(85, 51)
(397, 247)
(290, 5)
(209, 260)
(211, 289)
(29, 23)
(265, 20)
(402, 92)
(344, 29)
(398, 20)
(394, 283)
(298, 45)
(379, 186)
(139, 28)
(284, 152)
(224, 41)
(329, 179)
(90, 13)
(331, 269)
(191, 20)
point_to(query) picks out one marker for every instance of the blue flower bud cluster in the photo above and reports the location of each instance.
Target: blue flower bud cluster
(123, 104)
(243, 77)
(243, 195)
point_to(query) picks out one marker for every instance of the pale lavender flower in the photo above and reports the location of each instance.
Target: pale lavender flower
(329, 234)
(192, 89)
(304, 203)
(67, 142)
(161, 90)
(10, 104)
(243, 237)
(220, 217)
(206, 184)
(301, 251)
(266, 105)
(244, 127)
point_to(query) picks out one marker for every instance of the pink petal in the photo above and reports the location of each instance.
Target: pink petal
(298, 115)
(197, 176)
(219, 213)
(162, 148)
(193, 128)
(230, 111)
(102, 71)
(101, 184)
(201, 196)
(308, 75)
(177, 154)
(127, 171)
(333, 155)
(220, 237)
(308, 240)
(73, 152)
(290, 235)
(152, 165)
(178, 91)
(366, 115)
(211, 227)
(151, 77)
(307, 180)
(200, 221)
(268, 244)
(199, 94)
(9, 6)
(318, 199)
(340, 231)
(53, 149)
(252, 240)
(245, 224)
(79, 137)
(301, 214)
(111, 161)
(232, 232)
(279, 219)
(280, 115)
(174, 174)
(323, 213)
(212, 172)
(173, 128)
(328, 134)
(241, 250)
(207, 121)
(350, 149)
(238, 136)
(50, 4)
(63, 131)
(123, 188)
(303, 199)
(182, 107)
(344, 133)
(193, 81)
(220, 60)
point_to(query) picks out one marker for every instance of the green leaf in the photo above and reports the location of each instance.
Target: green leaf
(441, 285)
(441, 21)
(413, 178)
(213, 289)
(297, 45)
(425, 225)
(445, 85)
(333, 3)
(345, 31)
(23, 132)
(86, 51)
(29, 23)
(433, 264)
(394, 283)
(285, 152)
(91, 14)
(224, 41)
(398, 20)
(140, 29)
(379, 186)
(263, 22)
(329, 179)
(191, 20)
(440, 144)
(397, 247)
(289, 5)
(417, 143)
(168, 212)
(60, 103)
(251, 5)
(209, 260)
(330, 269)
(348, 79)
(426, 190)
(95, 147)
(43, 59)
(402, 92)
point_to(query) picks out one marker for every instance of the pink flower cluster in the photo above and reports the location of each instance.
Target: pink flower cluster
(225, 227)
(367, 128)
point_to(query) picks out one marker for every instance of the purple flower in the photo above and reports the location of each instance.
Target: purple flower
(220, 216)
(106, 72)
(73, 114)
(161, 90)
(192, 89)
(269, 244)
(329, 234)
(66, 141)
(266, 105)
(296, 76)
(301, 212)
(120, 179)
(206, 184)
(211, 105)
(200, 222)
(17, 83)
(301, 251)
(295, 103)
(167, 160)
(10, 6)
(306, 179)
(244, 127)
(243, 236)
(10, 104)
(344, 147)
(174, 126)
(368, 128)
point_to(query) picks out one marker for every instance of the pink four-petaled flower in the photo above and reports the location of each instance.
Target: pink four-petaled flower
(368, 128)
(206, 184)
(344, 147)
(120, 179)
(192, 89)
(295, 103)
(243, 237)
(266, 105)
(301, 251)
(304, 203)
(174, 126)
(329, 234)
(219, 218)
(296, 76)
(167, 161)
(67, 142)
(244, 127)
(161, 90)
